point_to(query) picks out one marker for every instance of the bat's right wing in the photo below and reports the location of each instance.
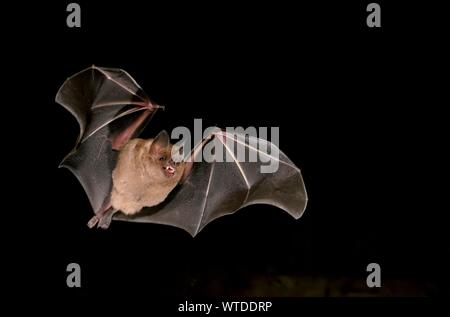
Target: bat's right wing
(228, 182)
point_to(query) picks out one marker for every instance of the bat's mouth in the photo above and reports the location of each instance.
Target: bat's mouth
(169, 170)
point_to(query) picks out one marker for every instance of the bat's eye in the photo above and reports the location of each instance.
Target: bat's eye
(162, 158)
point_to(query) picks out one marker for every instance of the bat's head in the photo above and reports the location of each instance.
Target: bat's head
(160, 164)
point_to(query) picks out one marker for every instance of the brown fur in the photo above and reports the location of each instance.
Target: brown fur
(139, 179)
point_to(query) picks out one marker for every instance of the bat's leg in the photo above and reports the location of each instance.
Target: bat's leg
(106, 219)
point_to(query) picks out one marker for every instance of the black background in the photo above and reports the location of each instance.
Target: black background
(357, 110)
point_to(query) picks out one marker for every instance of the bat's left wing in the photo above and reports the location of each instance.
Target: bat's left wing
(229, 179)
(111, 108)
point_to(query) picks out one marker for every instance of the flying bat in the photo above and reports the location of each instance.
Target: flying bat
(131, 179)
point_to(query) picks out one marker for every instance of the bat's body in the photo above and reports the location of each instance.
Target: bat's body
(143, 176)
(139, 178)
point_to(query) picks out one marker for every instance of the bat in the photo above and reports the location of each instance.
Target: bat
(130, 179)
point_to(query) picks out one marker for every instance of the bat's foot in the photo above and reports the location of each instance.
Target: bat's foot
(106, 219)
(101, 222)
(102, 218)
(94, 220)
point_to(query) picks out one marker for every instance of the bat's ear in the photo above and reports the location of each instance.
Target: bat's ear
(160, 142)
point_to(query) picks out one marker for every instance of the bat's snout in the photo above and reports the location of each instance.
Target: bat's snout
(170, 168)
